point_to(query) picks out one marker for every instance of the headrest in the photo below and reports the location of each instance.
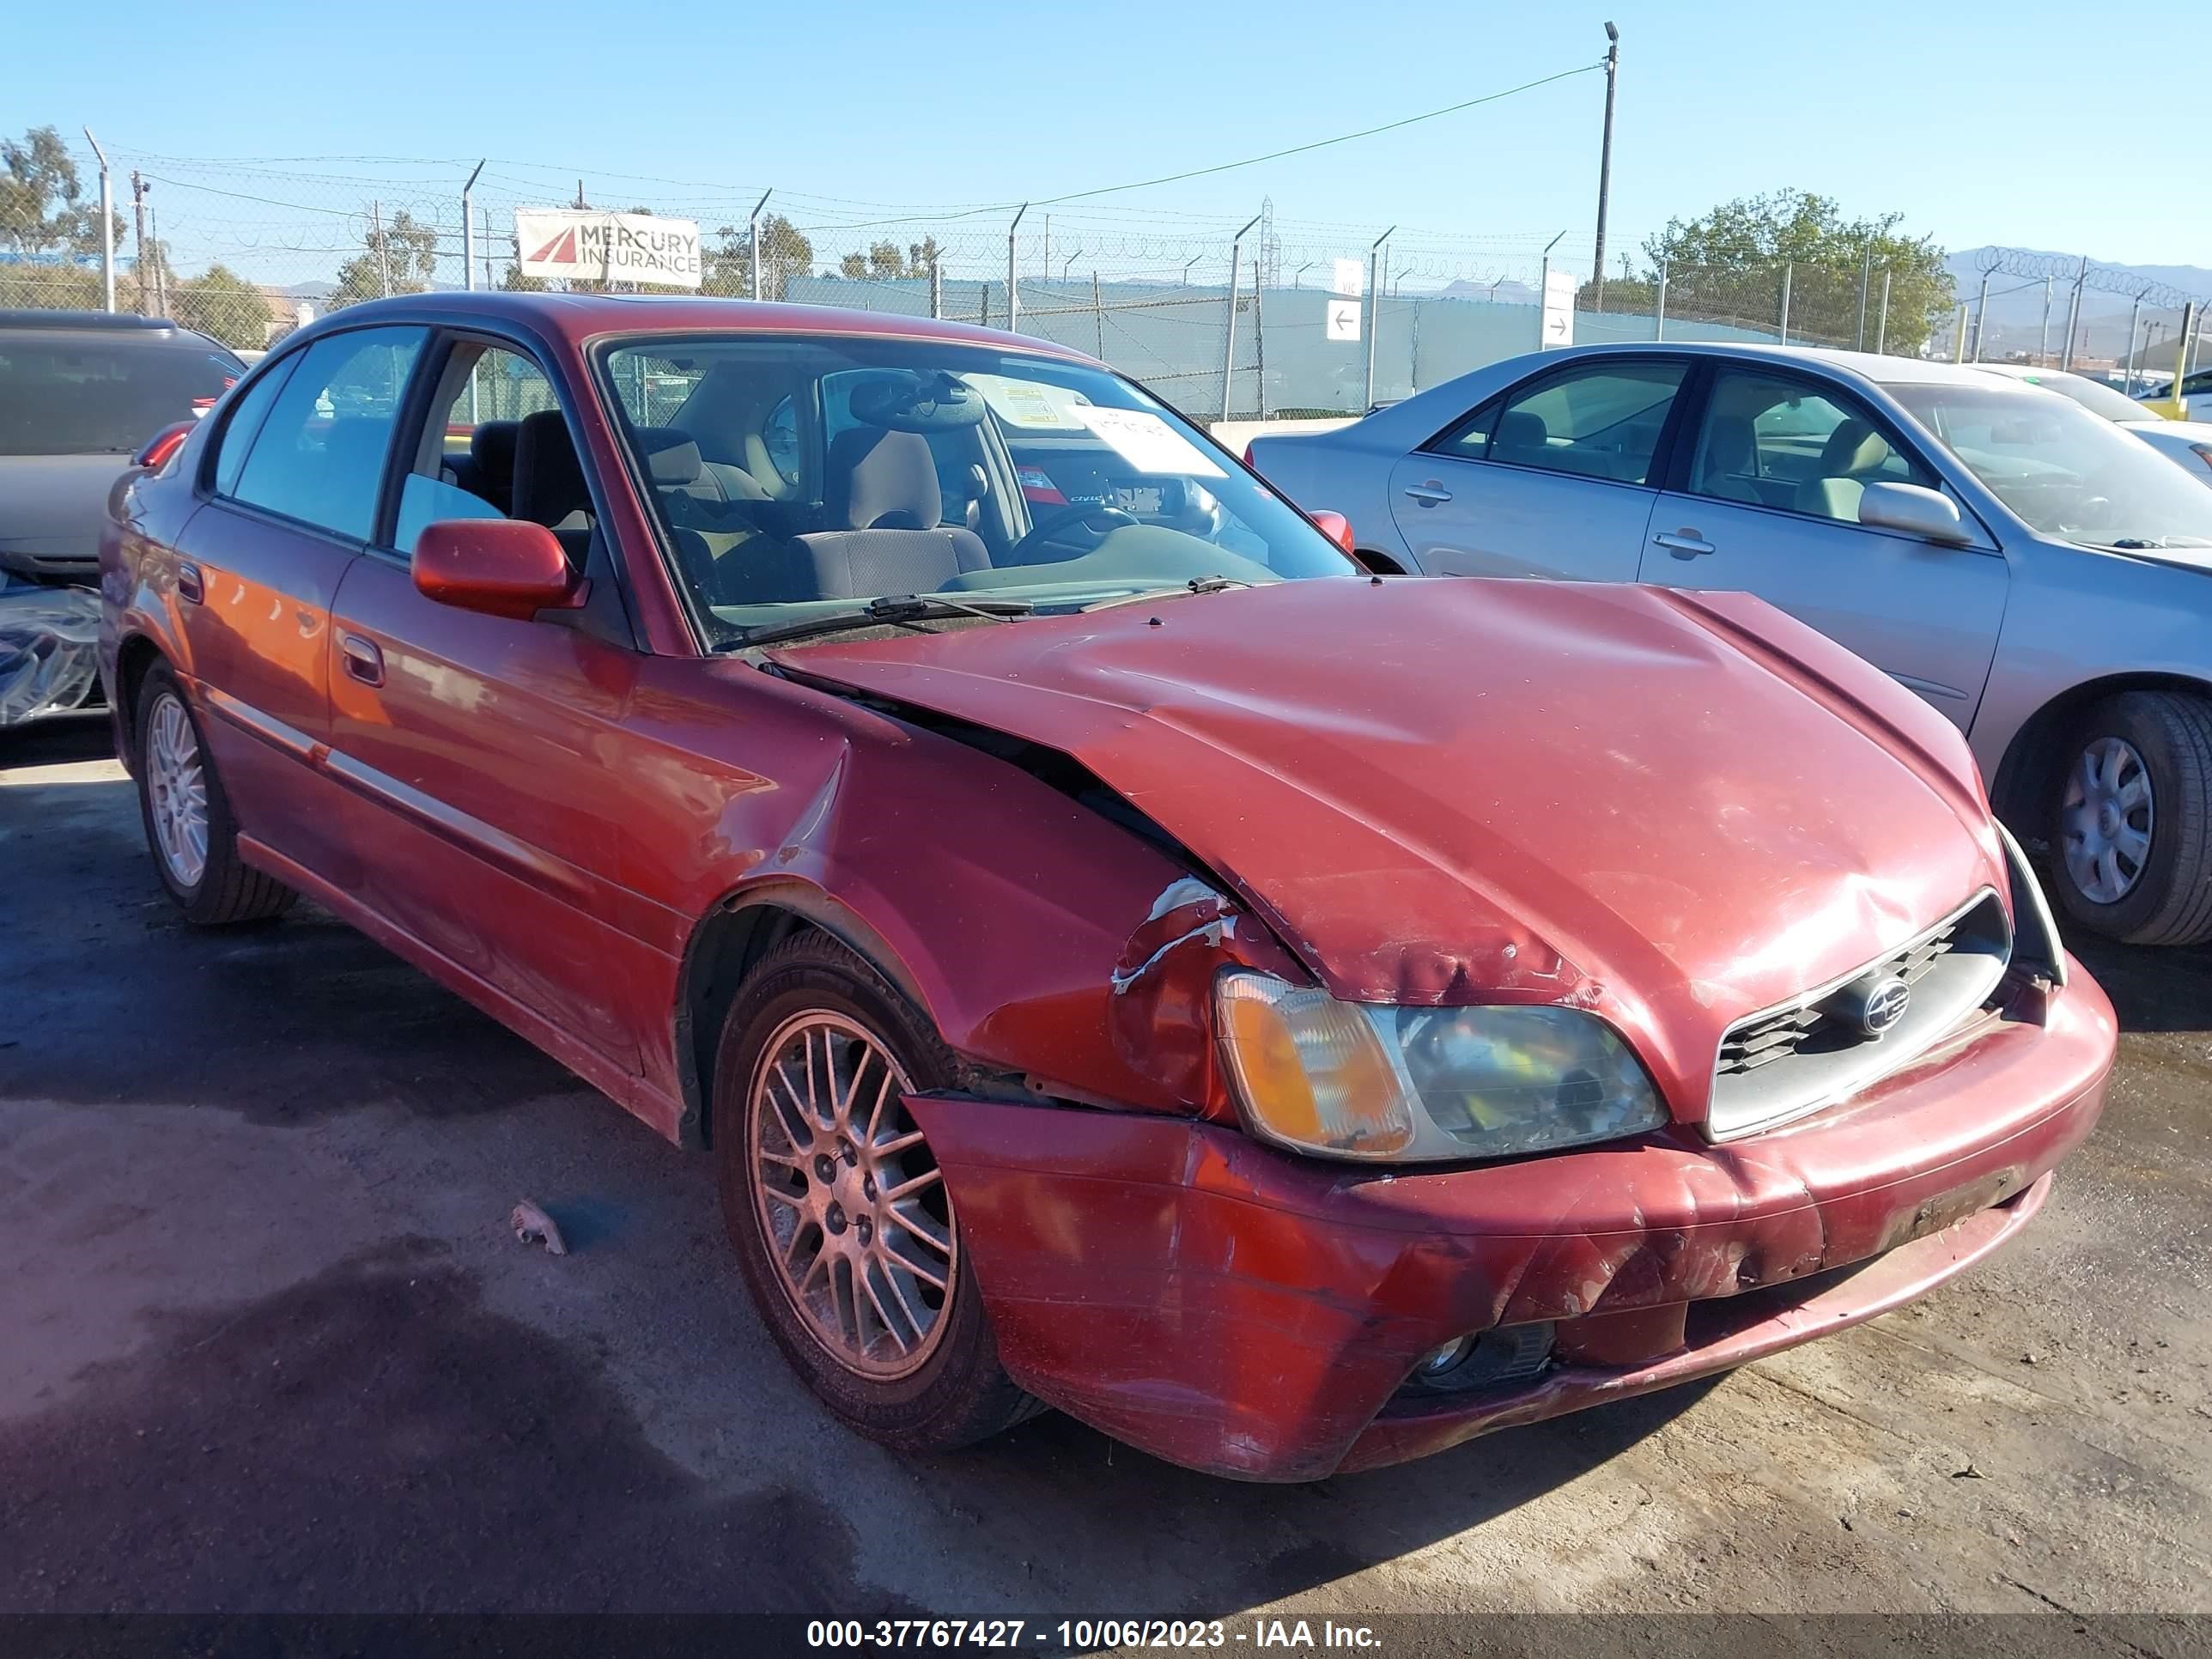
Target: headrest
(1522, 429)
(889, 480)
(491, 447)
(1854, 446)
(548, 480)
(670, 457)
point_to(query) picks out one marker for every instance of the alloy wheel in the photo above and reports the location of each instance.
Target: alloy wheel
(176, 786)
(2106, 820)
(852, 1203)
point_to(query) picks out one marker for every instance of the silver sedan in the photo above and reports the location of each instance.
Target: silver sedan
(2036, 574)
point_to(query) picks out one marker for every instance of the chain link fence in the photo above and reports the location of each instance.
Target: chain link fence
(247, 250)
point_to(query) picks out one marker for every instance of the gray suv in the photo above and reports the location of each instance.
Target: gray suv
(81, 392)
(2039, 576)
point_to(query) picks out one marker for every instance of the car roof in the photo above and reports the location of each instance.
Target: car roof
(577, 318)
(1882, 370)
(118, 325)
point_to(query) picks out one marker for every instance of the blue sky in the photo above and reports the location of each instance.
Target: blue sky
(2014, 122)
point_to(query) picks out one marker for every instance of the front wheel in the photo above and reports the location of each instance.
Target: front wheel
(837, 1210)
(2132, 827)
(189, 828)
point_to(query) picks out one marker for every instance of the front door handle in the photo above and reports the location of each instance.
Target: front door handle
(1430, 494)
(362, 659)
(192, 587)
(1684, 543)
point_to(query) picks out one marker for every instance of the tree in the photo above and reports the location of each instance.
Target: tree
(222, 303)
(400, 257)
(1726, 266)
(884, 263)
(50, 231)
(785, 253)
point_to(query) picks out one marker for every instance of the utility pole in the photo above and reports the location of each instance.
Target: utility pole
(2043, 344)
(483, 223)
(2135, 312)
(752, 232)
(160, 266)
(1259, 328)
(1981, 318)
(106, 226)
(138, 237)
(1881, 326)
(1866, 282)
(1788, 267)
(1605, 154)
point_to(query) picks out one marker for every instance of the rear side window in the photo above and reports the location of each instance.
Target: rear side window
(319, 456)
(243, 421)
(1601, 421)
(73, 393)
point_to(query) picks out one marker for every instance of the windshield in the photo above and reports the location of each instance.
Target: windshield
(76, 394)
(797, 476)
(2067, 473)
(2097, 398)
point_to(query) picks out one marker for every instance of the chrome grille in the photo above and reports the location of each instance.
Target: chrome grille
(1800, 1056)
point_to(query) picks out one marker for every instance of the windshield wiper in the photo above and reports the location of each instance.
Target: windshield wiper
(895, 609)
(2133, 543)
(1195, 585)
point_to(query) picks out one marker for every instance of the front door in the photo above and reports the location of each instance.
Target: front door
(297, 469)
(481, 753)
(1769, 503)
(1554, 479)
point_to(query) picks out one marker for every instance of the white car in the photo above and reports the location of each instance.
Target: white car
(2035, 574)
(2188, 443)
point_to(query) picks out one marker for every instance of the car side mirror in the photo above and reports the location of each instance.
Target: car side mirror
(1913, 510)
(499, 567)
(1336, 528)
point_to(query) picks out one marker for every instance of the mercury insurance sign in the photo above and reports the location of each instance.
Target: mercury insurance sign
(584, 243)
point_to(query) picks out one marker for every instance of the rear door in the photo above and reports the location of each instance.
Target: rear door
(1765, 498)
(295, 496)
(1553, 478)
(480, 755)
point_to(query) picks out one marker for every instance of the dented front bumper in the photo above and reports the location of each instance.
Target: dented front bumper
(1253, 1314)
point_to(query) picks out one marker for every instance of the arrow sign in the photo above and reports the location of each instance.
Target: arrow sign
(1343, 319)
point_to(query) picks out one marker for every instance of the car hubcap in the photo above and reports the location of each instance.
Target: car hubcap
(2106, 820)
(176, 788)
(852, 1204)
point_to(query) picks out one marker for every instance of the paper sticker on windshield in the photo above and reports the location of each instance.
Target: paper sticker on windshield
(1147, 442)
(1028, 403)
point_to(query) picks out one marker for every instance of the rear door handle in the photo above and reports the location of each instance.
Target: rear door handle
(362, 659)
(1685, 543)
(191, 587)
(1428, 495)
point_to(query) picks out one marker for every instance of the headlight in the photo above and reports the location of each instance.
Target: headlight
(1351, 1080)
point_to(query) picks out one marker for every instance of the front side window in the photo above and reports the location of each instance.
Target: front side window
(1601, 421)
(73, 393)
(319, 456)
(2065, 472)
(465, 467)
(799, 474)
(1770, 441)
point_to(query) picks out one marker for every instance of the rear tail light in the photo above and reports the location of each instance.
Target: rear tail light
(159, 453)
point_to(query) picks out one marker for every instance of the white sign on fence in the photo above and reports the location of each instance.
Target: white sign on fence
(1345, 278)
(1343, 319)
(1559, 289)
(585, 244)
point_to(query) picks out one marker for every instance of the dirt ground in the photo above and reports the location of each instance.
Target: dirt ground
(266, 1344)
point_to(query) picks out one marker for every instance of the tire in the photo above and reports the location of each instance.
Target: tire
(221, 891)
(2158, 746)
(909, 1388)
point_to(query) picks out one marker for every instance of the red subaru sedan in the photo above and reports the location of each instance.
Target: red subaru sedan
(1119, 954)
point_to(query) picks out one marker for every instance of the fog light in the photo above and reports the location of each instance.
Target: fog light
(1510, 1354)
(1437, 1361)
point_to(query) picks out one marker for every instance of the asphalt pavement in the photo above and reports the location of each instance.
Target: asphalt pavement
(267, 1344)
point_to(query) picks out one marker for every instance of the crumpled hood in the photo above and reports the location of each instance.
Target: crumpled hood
(1672, 808)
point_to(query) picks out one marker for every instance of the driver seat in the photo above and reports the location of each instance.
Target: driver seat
(884, 494)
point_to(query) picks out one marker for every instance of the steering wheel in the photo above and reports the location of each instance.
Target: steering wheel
(1097, 517)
